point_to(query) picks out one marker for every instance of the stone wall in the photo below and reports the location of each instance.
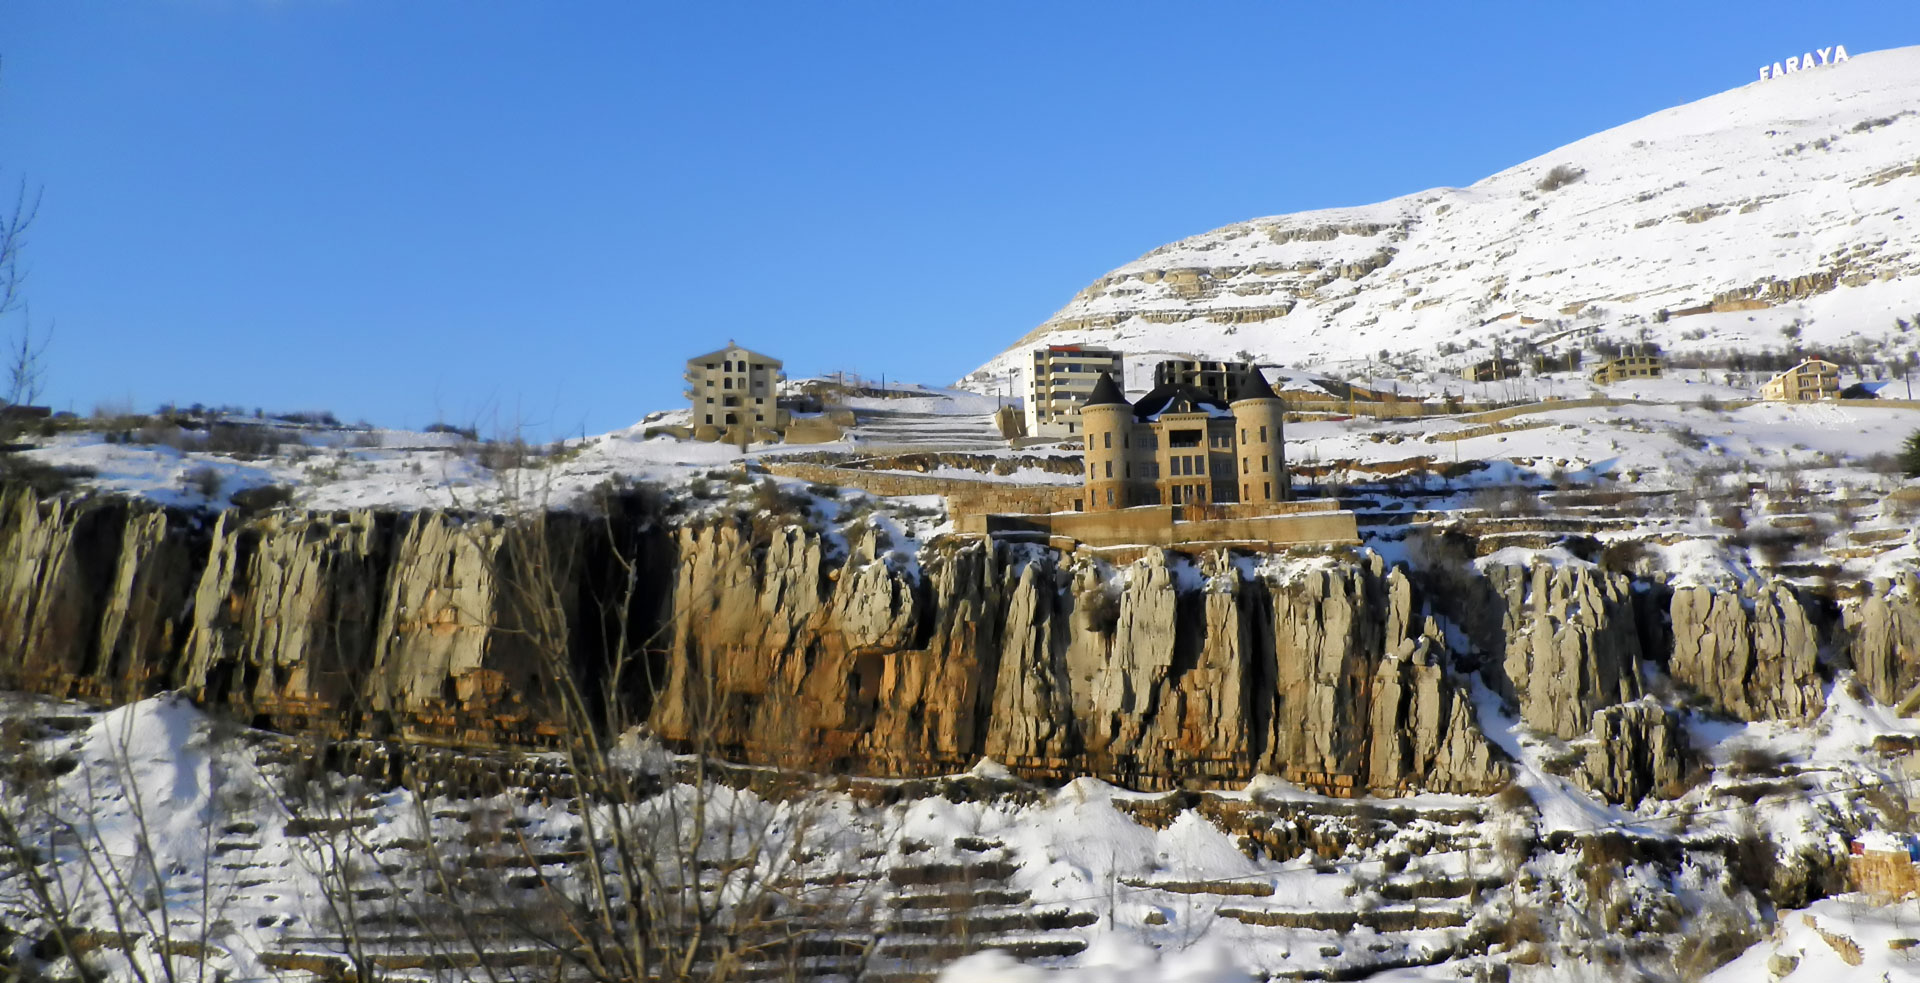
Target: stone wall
(964, 495)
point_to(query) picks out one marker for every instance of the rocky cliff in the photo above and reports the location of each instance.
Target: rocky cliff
(767, 642)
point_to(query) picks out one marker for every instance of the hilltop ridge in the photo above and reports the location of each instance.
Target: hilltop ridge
(1785, 202)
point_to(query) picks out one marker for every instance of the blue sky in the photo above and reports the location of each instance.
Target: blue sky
(532, 213)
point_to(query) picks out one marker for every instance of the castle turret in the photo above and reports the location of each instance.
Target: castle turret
(1106, 420)
(1259, 417)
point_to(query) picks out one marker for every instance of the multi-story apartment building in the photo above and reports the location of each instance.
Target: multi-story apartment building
(735, 388)
(1221, 379)
(1629, 367)
(1815, 378)
(1183, 445)
(1061, 378)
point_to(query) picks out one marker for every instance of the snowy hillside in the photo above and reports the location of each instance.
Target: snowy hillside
(1716, 224)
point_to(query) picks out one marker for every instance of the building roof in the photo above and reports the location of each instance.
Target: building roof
(1253, 385)
(1105, 393)
(1803, 363)
(716, 353)
(1156, 402)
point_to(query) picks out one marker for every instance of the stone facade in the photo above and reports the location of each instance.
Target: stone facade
(735, 392)
(1183, 446)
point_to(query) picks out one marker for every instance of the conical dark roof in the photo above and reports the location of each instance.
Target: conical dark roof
(1253, 385)
(1106, 393)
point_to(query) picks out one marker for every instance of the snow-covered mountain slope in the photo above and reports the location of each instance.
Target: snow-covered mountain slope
(1785, 202)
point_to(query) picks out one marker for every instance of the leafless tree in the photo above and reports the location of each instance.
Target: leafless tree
(27, 347)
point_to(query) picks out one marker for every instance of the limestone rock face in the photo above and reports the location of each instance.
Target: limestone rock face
(751, 639)
(91, 593)
(1883, 637)
(1637, 749)
(1752, 653)
(1570, 644)
(1164, 673)
(284, 615)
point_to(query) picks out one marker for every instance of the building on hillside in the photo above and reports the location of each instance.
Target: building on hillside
(1814, 378)
(1219, 379)
(1629, 367)
(1181, 445)
(1494, 369)
(735, 393)
(1061, 378)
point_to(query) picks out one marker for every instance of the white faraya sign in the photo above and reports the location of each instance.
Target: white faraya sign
(1828, 56)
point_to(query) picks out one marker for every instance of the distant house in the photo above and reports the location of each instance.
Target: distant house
(1629, 367)
(735, 392)
(1494, 369)
(1815, 378)
(1062, 379)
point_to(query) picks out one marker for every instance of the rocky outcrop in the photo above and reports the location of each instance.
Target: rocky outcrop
(1883, 638)
(1637, 749)
(1752, 654)
(1569, 644)
(760, 640)
(284, 616)
(1164, 673)
(91, 592)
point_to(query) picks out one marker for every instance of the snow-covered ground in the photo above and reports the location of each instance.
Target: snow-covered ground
(217, 830)
(1809, 175)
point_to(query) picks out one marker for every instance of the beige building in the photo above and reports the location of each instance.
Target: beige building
(1629, 367)
(1815, 378)
(1060, 379)
(1181, 445)
(735, 388)
(1219, 379)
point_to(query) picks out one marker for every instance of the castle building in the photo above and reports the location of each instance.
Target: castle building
(1061, 378)
(734, 389)
(1182, 445)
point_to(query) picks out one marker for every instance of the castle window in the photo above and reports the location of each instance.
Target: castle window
(1109, 469)
(709, 415)
(1246, 491)
(1246, 464)
(1107, 440)
(1109, 496)
(1266, 489)
(1263, 434)
(1129, 470)
(726, 383)
(1243, 435)
(1263, 463)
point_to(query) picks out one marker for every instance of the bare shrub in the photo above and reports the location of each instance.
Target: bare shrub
(1751, 762)
(1101, 607)
(1559, 177)
(1714, 937)
(1627, 556)
(204, 480)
